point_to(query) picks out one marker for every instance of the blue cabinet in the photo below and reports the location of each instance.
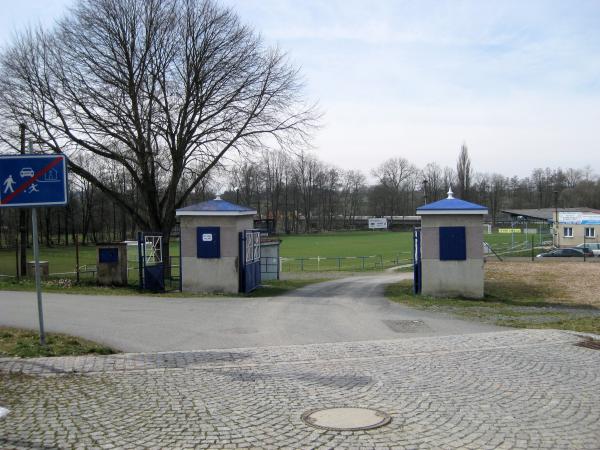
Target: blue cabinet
(453, 244)
(108, 255)
(208, 241)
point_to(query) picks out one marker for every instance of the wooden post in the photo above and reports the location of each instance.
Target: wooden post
(77, 257)
(17, 258)
(532, 252)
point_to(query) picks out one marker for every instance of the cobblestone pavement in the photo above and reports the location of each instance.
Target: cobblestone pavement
(515, 389)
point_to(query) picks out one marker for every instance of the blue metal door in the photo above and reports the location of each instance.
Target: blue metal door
(249, 260)
(150, 260)
(417, 260)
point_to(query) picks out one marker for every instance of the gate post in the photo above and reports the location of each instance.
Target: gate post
(417, 260)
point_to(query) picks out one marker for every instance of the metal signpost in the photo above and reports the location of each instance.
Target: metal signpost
(30, 181)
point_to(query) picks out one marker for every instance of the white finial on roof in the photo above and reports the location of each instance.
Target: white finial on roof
(450, 193)
(218, 197)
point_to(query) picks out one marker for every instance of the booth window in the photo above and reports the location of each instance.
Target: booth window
(590, 232)
(568, 232)
(453, 244)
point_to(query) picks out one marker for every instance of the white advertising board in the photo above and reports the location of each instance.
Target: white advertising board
(578, 218)
(378, 223)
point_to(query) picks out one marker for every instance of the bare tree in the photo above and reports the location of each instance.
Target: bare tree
(395, 175)
(163, 88)
(464, 173)
(432, 173)
(352, 193)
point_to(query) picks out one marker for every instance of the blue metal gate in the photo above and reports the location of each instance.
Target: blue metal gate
(249, 260)
(150, 263)
(417, 260)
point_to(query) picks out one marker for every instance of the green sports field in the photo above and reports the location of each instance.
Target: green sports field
(358, 250)
(368, 250)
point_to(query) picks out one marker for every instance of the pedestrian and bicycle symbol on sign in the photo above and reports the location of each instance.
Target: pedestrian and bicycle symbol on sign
(33, 180)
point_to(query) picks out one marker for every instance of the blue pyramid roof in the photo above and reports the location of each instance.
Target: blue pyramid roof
(452, 205)
(214, 208)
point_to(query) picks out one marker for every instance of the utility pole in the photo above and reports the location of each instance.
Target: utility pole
(556, 218)
(425, 190)
(23, 218)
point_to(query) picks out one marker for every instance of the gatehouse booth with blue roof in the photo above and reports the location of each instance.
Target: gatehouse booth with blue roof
(449, 249)
(220, 250)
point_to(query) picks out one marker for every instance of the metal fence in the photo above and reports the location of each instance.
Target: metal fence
(87, 273)
(342, 263)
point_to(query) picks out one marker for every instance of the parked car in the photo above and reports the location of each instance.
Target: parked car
(564, 253)
(593, 247)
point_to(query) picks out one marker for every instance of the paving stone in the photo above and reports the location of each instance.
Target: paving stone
(514, 389)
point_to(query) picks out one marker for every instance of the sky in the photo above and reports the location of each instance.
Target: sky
(517, 81)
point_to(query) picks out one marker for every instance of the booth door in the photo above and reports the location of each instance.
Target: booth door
(249, 260)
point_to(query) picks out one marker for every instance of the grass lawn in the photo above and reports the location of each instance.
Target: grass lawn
(351, 243)
(26, 344)
(343, 250)
(524, 295)
(336, 251)
(340, 250)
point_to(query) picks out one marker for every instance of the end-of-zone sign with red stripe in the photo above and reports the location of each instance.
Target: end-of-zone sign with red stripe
(33, 180)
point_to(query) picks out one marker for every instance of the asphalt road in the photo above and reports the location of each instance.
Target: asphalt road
(349, 309)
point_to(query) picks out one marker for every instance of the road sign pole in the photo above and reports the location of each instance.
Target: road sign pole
(38, 287)
(31, 181)
(23, 218)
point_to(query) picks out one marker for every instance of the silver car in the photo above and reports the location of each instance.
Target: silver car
(594, 247)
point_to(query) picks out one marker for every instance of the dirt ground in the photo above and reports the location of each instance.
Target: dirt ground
(566, 282)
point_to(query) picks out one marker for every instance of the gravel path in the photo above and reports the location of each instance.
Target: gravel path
(349, 309)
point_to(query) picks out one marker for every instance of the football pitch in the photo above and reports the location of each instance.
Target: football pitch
(352, 250)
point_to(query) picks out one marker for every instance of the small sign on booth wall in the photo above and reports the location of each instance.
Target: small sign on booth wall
(206, 237)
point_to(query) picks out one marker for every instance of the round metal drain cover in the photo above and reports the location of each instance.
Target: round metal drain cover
(346, 419)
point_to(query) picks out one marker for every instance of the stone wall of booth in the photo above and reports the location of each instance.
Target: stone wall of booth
(211, 274)
(452, 278)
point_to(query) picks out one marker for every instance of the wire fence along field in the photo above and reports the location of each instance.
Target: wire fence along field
(342, 263)
(62, 263)
(302, 253)
(532, 244)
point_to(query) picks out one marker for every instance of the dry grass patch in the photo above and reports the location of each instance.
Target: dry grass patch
(573, 283)
(26, 344)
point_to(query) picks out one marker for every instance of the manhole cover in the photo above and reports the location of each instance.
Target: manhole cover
(346, 419)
